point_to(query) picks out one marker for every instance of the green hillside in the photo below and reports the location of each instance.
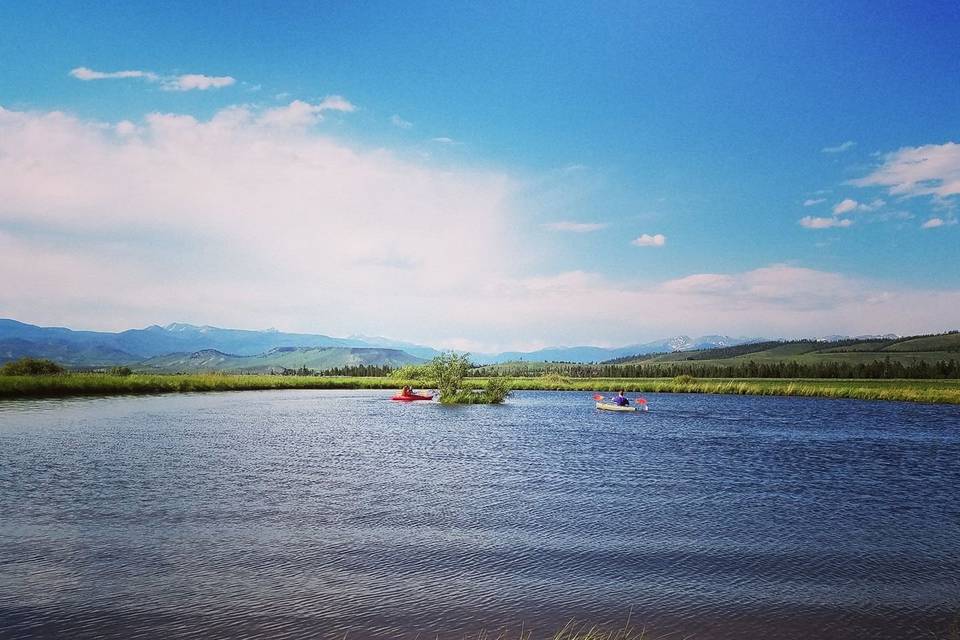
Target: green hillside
(943, 342)
(277, 360)
(929, 349)
(917, 357)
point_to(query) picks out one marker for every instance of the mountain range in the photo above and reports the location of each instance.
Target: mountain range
(187, 347)
(139, 346)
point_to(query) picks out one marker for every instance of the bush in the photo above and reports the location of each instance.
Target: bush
(684, 379)
(120, 371)
(448, 370)
(31, 367)
(497, 390)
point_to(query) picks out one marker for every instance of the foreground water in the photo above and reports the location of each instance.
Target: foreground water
(320, 513)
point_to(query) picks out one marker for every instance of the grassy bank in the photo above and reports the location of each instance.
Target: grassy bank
(930, 391)
(71, 384)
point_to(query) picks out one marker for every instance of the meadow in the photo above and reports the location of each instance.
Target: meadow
(72, 384)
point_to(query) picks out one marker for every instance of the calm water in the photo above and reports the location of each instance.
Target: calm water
(315, 513)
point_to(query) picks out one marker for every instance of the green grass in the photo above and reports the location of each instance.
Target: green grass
(942, 342)
(928, 391)
(71, 384)
(105, 384)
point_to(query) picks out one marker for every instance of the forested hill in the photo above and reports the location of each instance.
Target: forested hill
(279, 360)
(930, 356)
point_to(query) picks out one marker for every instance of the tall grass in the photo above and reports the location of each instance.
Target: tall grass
(928, 391)
(106, 384)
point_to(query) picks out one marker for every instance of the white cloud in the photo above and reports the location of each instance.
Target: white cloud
(83, 73)
(191, 81)
(234, 222)
(185, 82)
(845, 206)
(849, 205)
(336, 103)
(811, 222)
(840, 148)
(301, 114)
(576, 227)
(935, 222)
(647, 240)
(928, 170)
(442, 140)
(813, 201)
(397, 121)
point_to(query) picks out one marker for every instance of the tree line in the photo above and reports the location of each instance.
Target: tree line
(886, 368)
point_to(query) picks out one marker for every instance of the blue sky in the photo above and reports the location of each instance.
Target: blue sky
(761, 168)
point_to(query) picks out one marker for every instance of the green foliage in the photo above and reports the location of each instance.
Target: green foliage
(824, 364)
(358, 371)
(120, 371)
(31, 367)
(412, 372)
(448, 371)
(497, 390)
(71, 384)
(684, 378)
(302, 370)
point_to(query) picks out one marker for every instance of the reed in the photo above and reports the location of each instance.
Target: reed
(71, 384)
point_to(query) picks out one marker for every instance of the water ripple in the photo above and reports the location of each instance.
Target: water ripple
(305, 513)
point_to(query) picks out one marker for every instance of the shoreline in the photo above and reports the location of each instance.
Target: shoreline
(98, 384)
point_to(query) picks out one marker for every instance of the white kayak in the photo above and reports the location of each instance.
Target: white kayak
(603, 406)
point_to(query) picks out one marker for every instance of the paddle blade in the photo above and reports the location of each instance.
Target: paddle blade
(597, 397)
(641, 401)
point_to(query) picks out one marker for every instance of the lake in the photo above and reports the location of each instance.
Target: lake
(287, 514)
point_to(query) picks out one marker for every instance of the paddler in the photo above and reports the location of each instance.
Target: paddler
(621, 400)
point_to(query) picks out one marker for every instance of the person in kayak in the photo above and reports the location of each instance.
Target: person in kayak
(406, 391)
(621, 400)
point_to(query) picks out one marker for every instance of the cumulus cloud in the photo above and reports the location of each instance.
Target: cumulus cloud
(300, 114)
(647, 240)
(336, 103)
(237, 222)
(928, 170)
(185, 82)
(442, 140)
(811, 222)
(397, 121)
(809, 202)
(840, 148)
(576, 227)
(845, 206)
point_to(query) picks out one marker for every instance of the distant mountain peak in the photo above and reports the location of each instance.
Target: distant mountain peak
(179, 326)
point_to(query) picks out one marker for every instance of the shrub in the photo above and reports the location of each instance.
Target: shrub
(448, 370)
(31, 367)
(497, 390)
(120, 371)
(684, 379)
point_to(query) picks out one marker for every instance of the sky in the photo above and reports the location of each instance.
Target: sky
(484, 175)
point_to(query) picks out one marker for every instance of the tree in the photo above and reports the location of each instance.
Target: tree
(31, 367)
(448, 370)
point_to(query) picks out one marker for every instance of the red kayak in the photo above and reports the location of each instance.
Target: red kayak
(410, 398)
